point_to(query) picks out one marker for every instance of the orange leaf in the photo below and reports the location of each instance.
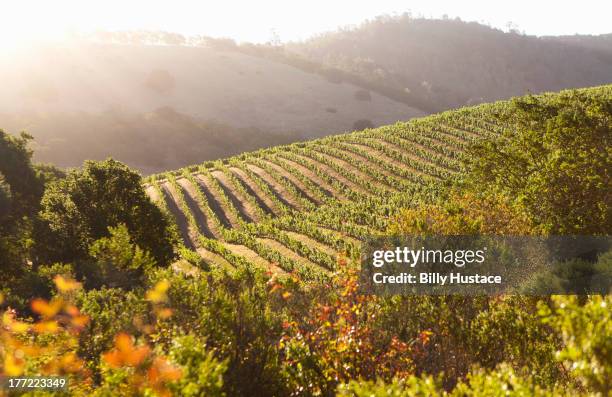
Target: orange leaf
(13, 366)
(125, 353)
(164, 313)
(80, 321)
(47, 309)
(46, 327)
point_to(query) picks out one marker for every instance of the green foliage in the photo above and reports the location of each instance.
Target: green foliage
(5, 199)
(116, 261)
(501, 382)
(16, 167)
(554, 158)
(510, 330)
(504, 381)
(586, 331)
(111, 310)
(202, 372)
(79, 209)
(408, 387)
(20, 192)
(239, 320)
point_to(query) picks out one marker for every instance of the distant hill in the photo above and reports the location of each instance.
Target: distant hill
(160, 107)
(453, 63)
(294, 207)
(159, 101)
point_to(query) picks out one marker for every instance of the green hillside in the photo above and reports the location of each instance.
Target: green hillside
(294, 207)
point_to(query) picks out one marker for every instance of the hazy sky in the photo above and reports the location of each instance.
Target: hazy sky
(253, 20)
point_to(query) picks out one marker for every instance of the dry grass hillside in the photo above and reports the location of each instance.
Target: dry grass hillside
(195, 91)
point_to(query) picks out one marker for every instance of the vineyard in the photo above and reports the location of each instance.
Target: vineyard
(293, 208)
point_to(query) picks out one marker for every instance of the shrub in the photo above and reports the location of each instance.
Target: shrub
(202, 372)
(362, 124)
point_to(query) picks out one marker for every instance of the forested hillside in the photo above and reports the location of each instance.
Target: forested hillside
(453, 63)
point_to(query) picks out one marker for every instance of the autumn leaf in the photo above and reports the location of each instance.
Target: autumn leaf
(66, 284)
(47, 309)
(14, 325)
(125, 353)
(46, 327)
(158, 293)
(13, 366)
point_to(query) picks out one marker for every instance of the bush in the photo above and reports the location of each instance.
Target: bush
(362, 124)
(202, 372)
(586, 331)
(116, 261)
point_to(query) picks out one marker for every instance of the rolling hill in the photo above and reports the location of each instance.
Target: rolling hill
(159, 106)
(451, 63)
(292, 208)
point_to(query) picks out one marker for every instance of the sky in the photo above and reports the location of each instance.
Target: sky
(254, 20)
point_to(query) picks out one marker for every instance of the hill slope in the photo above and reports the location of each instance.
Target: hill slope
(147, 104)
(293, 207)
(455, 63)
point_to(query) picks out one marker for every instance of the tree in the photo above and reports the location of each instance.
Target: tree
(20, 193)
(362, 124)
(19, 174)
(555, 162)
(79, 209)
(5, 199)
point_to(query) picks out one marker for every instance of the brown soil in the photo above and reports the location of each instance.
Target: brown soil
(380, 155)
(382, 170)
(361, 175)
(253, 257)
(409, 154)
(214, 202)
(152, 193)
(288, 253)
(213, 259)
(312, 243)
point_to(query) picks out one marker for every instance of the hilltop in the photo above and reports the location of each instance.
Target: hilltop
(295, 207)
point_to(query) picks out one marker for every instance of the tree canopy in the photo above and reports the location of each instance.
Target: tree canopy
(79, 209)
(555, 162)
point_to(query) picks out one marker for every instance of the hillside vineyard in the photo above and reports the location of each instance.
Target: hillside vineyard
(294, 208)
